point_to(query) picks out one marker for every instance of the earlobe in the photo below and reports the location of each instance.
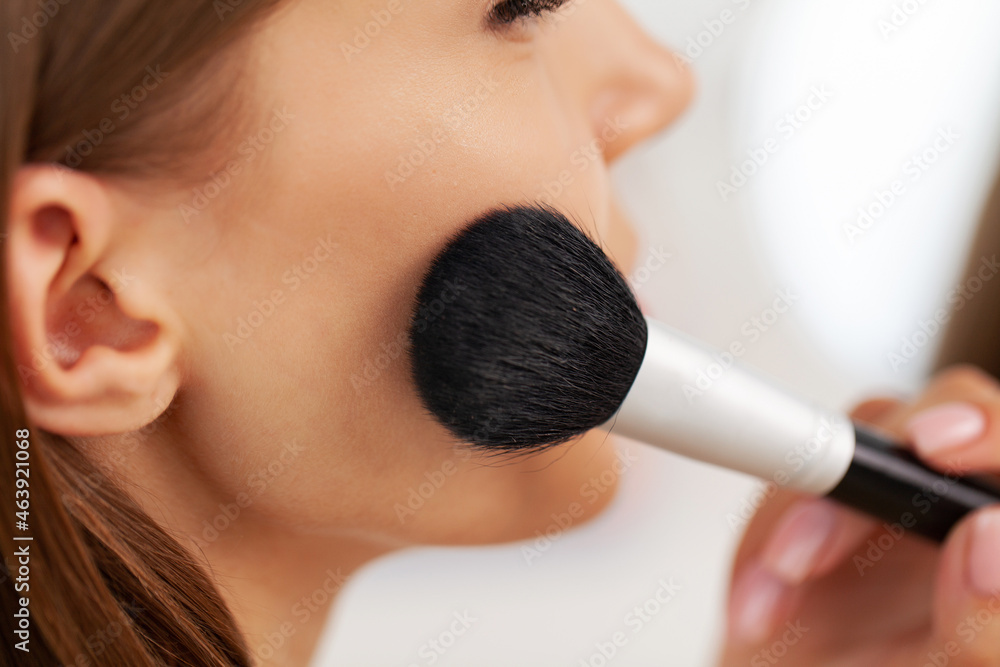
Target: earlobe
(96, 346)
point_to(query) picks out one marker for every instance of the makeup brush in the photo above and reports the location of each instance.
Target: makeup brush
(526, 335)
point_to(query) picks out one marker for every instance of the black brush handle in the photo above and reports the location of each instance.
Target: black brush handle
(889, 483)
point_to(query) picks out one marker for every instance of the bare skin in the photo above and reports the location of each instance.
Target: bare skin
(870, 596)
(270, 320)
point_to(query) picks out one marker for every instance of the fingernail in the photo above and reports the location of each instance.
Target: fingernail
(799, 540)
(754, 604)
(946, 426)
(984, 554)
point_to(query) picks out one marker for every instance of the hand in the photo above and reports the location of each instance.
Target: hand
(819, 585)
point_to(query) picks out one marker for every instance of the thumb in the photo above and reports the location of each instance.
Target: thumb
(966, 616)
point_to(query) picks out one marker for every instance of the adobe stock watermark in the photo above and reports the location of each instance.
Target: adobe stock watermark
(434, 648)
(364, 34)
(900, 15)
(417, 496)
(634, 622)
(892, 533)
(302, 611)
(372, 368)
(292, 279)
(581, 159)
(752, 330)
(786, 127)
(251, 146)
(121, 109)
(557, 17)
(425, 147)
(590, 492)
(655, 260)
(771, 655)
(794, 461)
(225, 7)
(35, 22)
(929, 328)
(696, 45)
(911, 172)
(257, 483)
(57, 347)
(130, 443)
(99, 642)
(968, 629)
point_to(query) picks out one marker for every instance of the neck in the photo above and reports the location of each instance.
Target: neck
(280, 588)
(279, 582)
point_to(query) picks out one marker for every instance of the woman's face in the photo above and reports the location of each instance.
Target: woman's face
(385, 127)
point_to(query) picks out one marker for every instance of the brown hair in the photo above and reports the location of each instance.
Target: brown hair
(115, 87)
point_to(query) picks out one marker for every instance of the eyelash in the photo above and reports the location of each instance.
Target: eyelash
(508, 12)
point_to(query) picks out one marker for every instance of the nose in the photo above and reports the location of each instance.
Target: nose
(630, 86)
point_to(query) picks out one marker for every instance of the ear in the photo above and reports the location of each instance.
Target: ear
(95, 344)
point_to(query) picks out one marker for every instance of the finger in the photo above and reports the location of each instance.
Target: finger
(876, 410)
(815, 535)
(758, 602)
(966, 598)
(812, 538)
(955, 425)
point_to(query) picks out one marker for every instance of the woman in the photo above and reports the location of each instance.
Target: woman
(217, 215)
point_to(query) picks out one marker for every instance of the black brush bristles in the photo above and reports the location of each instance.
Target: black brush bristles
(525, 334)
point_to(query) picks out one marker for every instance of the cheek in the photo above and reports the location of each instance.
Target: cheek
(621, 241)
(303, 336)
